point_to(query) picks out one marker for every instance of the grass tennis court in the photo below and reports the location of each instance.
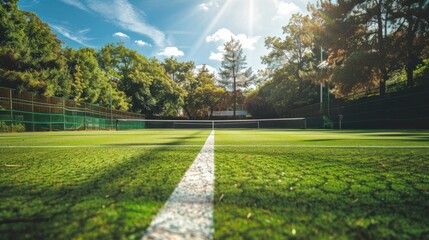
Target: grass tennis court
(319, 186)
(269, 183)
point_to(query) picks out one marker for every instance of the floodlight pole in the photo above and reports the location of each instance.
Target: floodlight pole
(321, 65)
(321, 85)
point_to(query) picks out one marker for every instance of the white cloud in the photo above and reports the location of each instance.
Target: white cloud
(285, 10)
(78, 37)
(216, 56)
(121, 35)
(76, 3)
(84, 31)
(125, 15)
(223, 35)
(221, 48)
(142, 43)
(203, 6)
(206, 6)
(171, 52)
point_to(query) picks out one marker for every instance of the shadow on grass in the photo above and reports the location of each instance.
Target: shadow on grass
(171, 141)
(113, 199)
(322, 193)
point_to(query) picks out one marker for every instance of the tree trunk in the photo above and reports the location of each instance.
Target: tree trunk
(410, 75)
(187, 112)
(235, 98)
(411, 63)
(382, 87)
(383, 81)
(381, 50)
(211, 111)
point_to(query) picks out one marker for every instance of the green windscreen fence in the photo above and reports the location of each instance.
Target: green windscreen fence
(402, 109)
(24, 111)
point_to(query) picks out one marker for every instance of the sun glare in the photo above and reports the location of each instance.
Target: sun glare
(211, 26)
(251, 16)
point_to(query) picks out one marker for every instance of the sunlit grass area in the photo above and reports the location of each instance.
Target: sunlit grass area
(107, 138)
(268, 191)
(270, 184)
(322, 138)
(90, 193)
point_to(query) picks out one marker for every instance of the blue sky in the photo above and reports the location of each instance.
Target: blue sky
(187, 29)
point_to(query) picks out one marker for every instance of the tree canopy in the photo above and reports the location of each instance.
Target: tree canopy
(366, 44)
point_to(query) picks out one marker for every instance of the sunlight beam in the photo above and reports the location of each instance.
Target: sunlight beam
(251, 17)
(209, 29)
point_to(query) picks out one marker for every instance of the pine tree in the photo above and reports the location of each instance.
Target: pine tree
(233, 62)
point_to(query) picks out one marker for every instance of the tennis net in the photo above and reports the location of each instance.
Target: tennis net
(281, 123)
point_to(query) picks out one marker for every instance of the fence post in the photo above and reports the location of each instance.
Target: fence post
(64, 113)
(11, 110)
(75, 113)
(84, 116)
(32, 111)
(50, 114)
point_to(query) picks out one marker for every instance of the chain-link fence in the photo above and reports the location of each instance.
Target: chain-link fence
(404, 109)
(24, 111)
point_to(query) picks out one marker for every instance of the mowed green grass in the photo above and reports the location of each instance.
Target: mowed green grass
(306, 184)
(101, 185)
(270, 184)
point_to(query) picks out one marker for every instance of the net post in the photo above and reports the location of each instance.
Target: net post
(305, 123)
(213, 125)
(258, 125)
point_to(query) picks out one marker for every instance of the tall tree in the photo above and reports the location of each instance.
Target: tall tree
(209, 96)
(30, 55)
(178, 71)
(89, 83)
(182, 73)
(232, 63)
(291, 62)
(149, 88)
(412, 18)
(360, 31)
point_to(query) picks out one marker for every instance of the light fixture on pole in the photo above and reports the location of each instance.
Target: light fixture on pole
(115, 79)
(324, 65)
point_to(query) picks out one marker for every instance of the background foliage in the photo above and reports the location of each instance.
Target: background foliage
(348, 46)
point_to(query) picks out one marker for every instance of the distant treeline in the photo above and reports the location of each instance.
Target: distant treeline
(32, 59)
(349, 46)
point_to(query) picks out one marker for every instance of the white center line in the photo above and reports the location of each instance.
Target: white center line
(188, 213)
